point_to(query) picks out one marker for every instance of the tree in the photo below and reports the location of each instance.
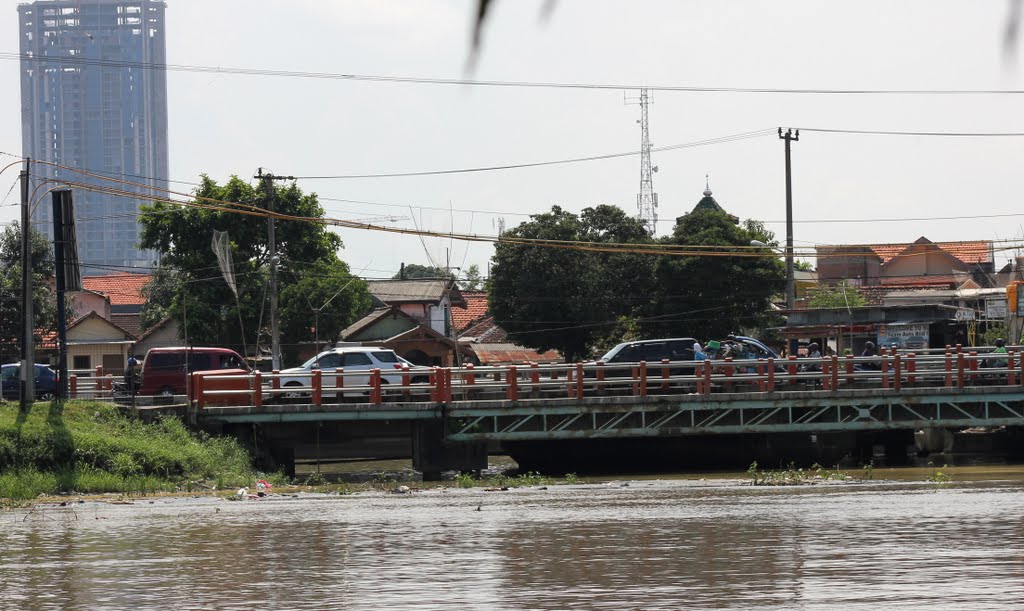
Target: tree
(414, 271)
(323, 299)
(44, 306)
(565, 298)
(841, 295)
(708, 296)
(195, 293)
(472, 280)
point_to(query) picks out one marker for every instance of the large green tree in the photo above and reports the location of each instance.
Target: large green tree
(564, 298)
(194, 291)
(414, 271)
(43, 303)
(713, 293)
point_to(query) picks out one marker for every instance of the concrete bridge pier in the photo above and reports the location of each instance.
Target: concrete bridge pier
(895, 446)
(431, 454)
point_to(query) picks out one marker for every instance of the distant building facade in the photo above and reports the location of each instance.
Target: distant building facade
(94, 98)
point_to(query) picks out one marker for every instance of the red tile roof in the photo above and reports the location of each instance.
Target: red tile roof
(122, 289)
(968, 252)
(475, 309)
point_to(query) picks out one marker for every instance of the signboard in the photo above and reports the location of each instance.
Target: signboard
(964, 314)
(995, 308)
(1020, 301)
(908, 337)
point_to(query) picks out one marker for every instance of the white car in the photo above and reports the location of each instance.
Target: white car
(352, 359)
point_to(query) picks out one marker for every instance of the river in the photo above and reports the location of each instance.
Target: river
(613, 544)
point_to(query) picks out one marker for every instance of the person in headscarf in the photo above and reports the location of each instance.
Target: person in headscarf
(698, 352)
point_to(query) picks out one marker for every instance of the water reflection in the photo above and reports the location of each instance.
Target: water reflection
(651, 544)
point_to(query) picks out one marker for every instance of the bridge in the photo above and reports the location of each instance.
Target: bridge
(852, 401)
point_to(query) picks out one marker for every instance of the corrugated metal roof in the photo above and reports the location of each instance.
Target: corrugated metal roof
(511, 354)
(414, 291)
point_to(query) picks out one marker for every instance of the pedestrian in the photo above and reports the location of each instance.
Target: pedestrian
(698, 352)
(1000, 349)
(872, 353)
(813, 352)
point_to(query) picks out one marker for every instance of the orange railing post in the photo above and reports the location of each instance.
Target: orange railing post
(849, 368)
(339, 382)
(771, 375)
(579, 381)
(911, 368)
(405, 381)
(512, 379)
(257, 389)
(792, 369)
(885, 371)
(434, 389)
(375, 392)
(318, 388)
(826, 376)
(949, 367)
(643, 378)
(707, 377)
(199, 390)
(665, 374)
(834, 369)
(897, 370)
(448, 385)
(469, 377)
(959, 367)
(73, 386)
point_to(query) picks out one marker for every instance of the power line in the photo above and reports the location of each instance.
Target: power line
(720, 140)
(875, 132)
(420, 80)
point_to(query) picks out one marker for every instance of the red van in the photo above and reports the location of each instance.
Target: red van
(165, 370)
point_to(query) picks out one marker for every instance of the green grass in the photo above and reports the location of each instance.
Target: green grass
(91, 447)
(793, 476)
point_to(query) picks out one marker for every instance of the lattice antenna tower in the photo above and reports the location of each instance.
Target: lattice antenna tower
(647, 199)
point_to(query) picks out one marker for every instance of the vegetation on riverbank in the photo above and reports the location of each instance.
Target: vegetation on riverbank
(91, 447)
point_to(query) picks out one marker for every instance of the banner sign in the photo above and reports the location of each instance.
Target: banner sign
(909, 337)
(995, 308)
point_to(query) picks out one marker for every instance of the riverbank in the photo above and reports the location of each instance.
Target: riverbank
(88, 447)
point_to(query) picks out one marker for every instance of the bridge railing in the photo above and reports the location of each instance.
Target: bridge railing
(532, 381)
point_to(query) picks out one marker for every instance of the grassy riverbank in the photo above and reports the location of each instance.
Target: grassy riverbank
(89, 447)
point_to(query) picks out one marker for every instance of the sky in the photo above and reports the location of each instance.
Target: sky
(230, 124)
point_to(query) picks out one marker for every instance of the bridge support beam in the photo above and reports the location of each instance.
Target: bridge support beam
(431, 454)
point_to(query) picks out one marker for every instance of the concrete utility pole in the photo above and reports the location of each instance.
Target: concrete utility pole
(28, 347)
(789, 137)
(275, 331)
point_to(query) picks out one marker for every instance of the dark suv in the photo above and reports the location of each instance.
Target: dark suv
(652, 351)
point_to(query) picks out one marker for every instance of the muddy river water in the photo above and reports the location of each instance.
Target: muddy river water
(612, 544)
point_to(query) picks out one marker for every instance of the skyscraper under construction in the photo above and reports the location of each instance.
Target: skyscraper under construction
(94, 98)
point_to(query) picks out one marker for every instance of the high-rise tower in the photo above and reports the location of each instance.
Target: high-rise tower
(647, 199)
(94, 97)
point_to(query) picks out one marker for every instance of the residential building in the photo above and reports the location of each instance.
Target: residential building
(922, 263)
(94, 99)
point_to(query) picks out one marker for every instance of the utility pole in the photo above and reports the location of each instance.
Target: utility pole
(790, 137)
(275, 331)
(28, 347)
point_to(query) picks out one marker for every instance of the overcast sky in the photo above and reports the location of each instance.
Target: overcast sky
(232, 124)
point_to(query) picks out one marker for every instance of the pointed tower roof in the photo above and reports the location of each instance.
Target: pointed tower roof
(707, 202)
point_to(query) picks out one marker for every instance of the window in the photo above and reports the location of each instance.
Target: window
(10, 373)
(331, 361)
(230, 361)
(356, 359)
(386, 356)
(81, 362)
(165, 360)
